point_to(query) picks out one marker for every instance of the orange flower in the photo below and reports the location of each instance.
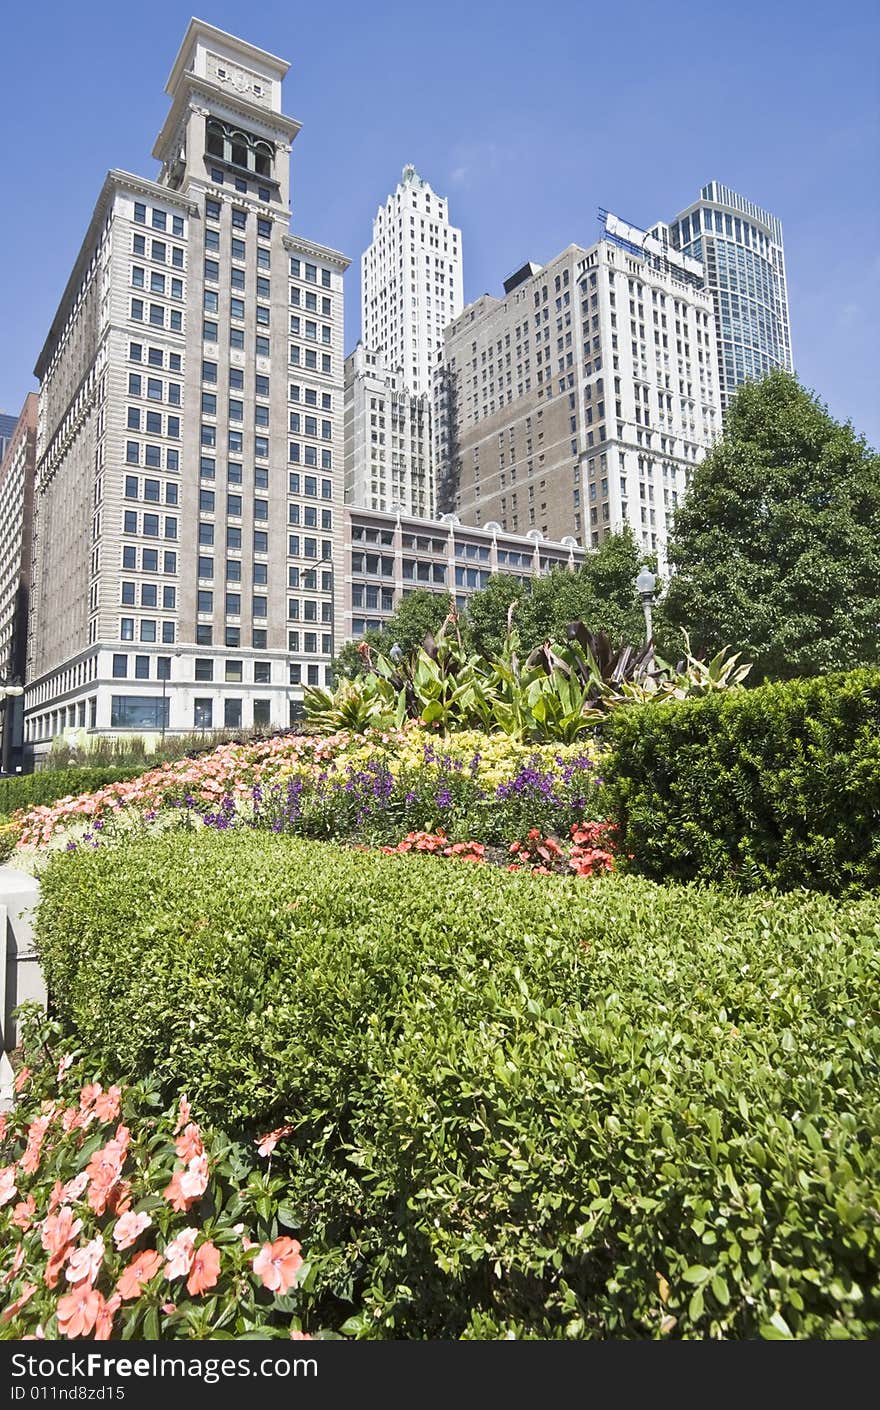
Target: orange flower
(104, 1320)
(277, 1264)
(75, 1187)
(266, 1144)
(35, 1137)
(205, 1269)
(140, 1270)
(297, 1335)
(23, 1213)
(63, 1065)
(78, 1311)
(25, 1295)
(22, 1078)
(89, 1095)
(189, 1143)
(106, 1106)
(54, 1267)
(59, 1230)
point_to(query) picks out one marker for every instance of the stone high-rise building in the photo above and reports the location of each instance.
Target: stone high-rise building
(740, 247)
(411, 280)
(17, 467)
(189, 476)
(387, 438)
(581, 400)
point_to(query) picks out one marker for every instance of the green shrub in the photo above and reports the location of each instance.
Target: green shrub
(521, 1105)
(778, 786)
(31, 790)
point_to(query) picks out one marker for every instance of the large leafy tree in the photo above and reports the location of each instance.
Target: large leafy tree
(776, 548)
(601, 593)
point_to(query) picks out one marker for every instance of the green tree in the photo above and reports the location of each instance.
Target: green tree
(776, 547)
(417, 614)
(601, 593)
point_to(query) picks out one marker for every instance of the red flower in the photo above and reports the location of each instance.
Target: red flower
(25, 1296)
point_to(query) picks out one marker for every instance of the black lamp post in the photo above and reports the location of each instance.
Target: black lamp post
(10, 689)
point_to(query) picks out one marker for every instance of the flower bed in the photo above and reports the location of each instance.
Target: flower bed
(378, 789)
(118, 1222)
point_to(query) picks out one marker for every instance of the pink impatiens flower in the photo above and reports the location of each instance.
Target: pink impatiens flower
(84, 1263)
(78, 1311)
(189, 1143)
(129, 1227)
(179, 1254)
(266, 1144)
(205, 1269)
(8, 1187)
(277, 1264)
(106, 1106)
(140, 1270)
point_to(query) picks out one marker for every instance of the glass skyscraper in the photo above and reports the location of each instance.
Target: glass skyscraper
(740, 246)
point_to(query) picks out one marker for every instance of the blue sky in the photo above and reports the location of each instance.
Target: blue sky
(528, 119)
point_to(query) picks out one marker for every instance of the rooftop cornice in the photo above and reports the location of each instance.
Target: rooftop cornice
(113, 181)
(323, 252)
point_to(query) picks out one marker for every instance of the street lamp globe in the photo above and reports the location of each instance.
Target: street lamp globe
(646, 583)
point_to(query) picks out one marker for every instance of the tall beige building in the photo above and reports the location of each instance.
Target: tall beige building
(17, 466)
(189, 476)
(582, 399)
(387, 437)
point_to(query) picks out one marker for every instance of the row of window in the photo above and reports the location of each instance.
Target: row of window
(234, 472)
(155, 356)
(236, 378)
(211, 334)
(147, 628)
(156, 315)
(308, 358)
(234, 441)
(299, 269)
(233, 538)
(156, 282)
(211, 304)
(239, 248)
(159, 219)
(157, 250)
(237, 277)
(235, 409)
(149, 596)
(150, 524)
(147, 559)
(153, 388)
(232, 603)
(151, 423)
(239, 218)
(259, 571)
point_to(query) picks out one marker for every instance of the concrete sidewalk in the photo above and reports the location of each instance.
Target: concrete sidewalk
(21, 979)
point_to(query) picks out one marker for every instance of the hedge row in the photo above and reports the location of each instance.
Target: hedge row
(778, 786)
(522, 1105)
(30, 790)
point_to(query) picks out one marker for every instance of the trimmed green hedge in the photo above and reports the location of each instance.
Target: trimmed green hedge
(29, 790)
(778, 786)
(523, 1105)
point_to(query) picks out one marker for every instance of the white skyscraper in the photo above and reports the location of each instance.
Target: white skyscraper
(411, 282)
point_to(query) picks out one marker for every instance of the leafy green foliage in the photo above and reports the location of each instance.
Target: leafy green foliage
(30, 790)
(419, 614)
(775, 545)
(601, 593)
(554, 695)
(778, 786)
(543, 1108)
